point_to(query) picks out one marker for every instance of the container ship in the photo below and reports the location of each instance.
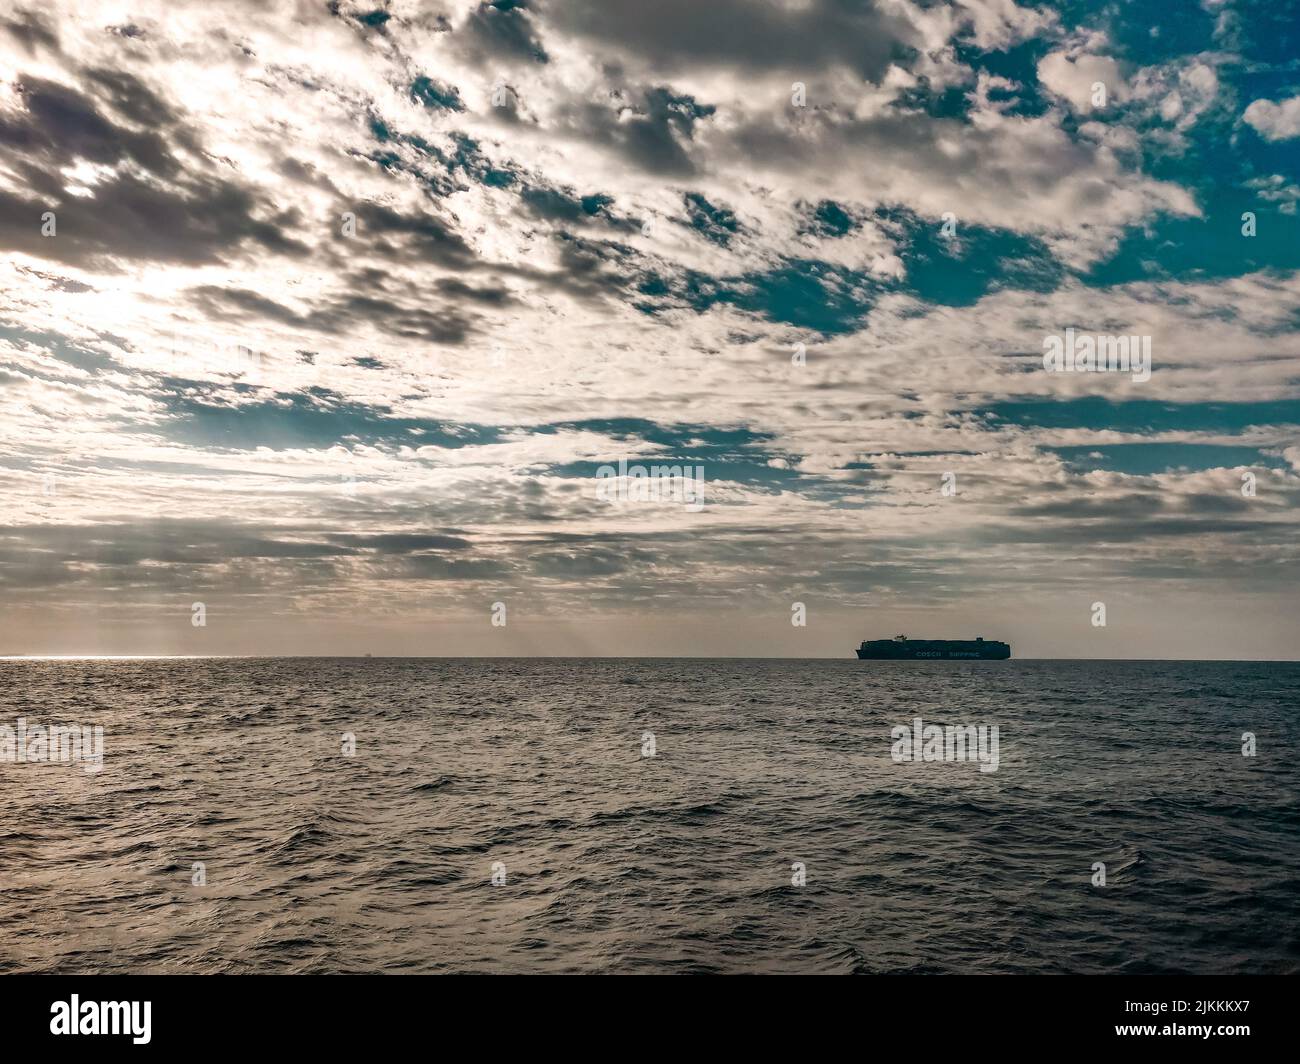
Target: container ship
(900, 648)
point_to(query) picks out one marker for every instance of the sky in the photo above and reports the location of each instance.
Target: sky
(323, 327)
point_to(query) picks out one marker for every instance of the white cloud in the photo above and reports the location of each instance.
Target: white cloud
(1274, 121)
(1089, 82)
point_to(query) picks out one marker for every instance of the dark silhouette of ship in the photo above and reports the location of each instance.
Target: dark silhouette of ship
(900, 648)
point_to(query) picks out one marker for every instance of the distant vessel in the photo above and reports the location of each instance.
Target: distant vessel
(900, 648)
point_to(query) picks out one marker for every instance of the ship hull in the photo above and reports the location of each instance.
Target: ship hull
(934, 650)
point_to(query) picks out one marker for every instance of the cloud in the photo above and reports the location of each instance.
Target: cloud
(1274, 121)
(739, 34)
(1087, 81)
(371, 332)
(130, 196)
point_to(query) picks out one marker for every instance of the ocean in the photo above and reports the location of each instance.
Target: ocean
(655, 815)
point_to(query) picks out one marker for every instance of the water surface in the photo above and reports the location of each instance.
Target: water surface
(680, 862)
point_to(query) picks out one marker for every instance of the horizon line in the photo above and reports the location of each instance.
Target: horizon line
(566, 657)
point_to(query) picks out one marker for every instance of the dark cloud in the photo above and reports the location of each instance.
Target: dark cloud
(1152, 502)
(439, 567)
(562, 205)
(1203, 503)
(588, 562)
(167, 213)
(31, 31)
(490, 294)
(163, 541)
(1133, 532)
(132, 219)
(36, 556)
(589, 269)
(651, 128)
(505, 30)
(306, 173)
(413, 236)
(1081, 508)
(131, 98)
(339, 316)
(403, 542)
(235, 303)
(61, 125)
(63, 284)
(446, 326)
(755, 35)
